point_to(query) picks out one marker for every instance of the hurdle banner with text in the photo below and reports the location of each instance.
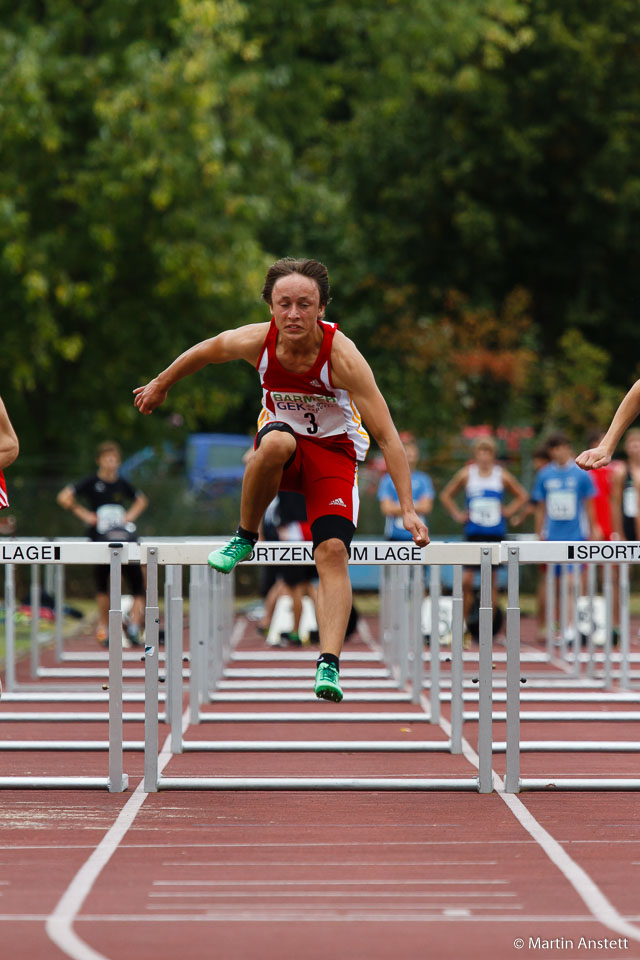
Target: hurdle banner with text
(600, 552)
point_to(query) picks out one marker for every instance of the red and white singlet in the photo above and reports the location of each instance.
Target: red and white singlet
(4, 499)
(308, 402)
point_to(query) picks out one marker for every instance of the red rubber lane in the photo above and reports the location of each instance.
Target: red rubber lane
(291, 874)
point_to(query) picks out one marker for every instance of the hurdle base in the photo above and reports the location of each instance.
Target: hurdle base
(557, 783)
(62, 783)
(312, 783)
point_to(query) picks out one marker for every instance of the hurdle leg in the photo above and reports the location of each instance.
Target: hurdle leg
(623, 587)
(174, 657)
(457, 662)
(59, 608)
(195, 640)
(10, 626)
(151, 650)
(512, 777)
(434, 643)
(575, 644)
(564, 611)
(417, 663)
(592, 575)
(608, 630)
(485, 681)
(118, 781)
(35, 618)
(550, 609)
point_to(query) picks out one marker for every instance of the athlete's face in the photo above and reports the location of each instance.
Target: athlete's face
(485, 457)
(108, 463)
(296, 305)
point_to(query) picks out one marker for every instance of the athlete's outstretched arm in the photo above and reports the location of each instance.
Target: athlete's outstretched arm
(244, 343)
(350, 371)
(9, 446)
(626, 413)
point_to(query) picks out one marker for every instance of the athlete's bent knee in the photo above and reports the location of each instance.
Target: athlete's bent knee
(277, 446)
(332, 527)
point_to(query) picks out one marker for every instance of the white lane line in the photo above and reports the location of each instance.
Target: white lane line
(588, 891)
(432, 894)
(59, 924)
(335, 864)
(320, 883)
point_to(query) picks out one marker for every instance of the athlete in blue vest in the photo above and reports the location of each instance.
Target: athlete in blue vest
(485, 514)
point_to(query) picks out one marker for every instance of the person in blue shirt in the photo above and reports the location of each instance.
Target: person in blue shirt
(563, 495)
(422, 490)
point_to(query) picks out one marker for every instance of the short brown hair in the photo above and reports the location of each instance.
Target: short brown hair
(308, 268)
(558, 439)
(109, 446)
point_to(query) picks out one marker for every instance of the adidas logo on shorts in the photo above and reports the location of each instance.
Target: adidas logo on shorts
(338, 502)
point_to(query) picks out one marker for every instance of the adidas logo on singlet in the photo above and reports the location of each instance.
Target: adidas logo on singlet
(315, 383)
(338, 502)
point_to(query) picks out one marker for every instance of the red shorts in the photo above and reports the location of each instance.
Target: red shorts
(325, 472)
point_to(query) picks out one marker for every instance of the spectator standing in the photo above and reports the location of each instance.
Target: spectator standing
(485, 484)
(112, 502)
(422, 491)
(563, 495)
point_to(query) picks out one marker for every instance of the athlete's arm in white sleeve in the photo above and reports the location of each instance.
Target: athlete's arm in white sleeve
(244, 343)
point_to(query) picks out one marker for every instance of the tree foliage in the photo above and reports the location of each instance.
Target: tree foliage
(468, 171)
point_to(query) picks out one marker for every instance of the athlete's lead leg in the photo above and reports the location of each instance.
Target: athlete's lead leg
(262, 476)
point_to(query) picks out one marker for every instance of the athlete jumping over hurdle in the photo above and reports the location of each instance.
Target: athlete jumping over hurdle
(310, 436)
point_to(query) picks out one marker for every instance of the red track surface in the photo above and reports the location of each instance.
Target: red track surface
(375, 875)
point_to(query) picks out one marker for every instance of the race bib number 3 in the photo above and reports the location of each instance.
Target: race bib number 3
(562, 505)
(485, 511)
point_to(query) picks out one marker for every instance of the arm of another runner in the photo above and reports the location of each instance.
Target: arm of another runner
(244, 343)
(9, 446)
(625, 414)
(350, 371)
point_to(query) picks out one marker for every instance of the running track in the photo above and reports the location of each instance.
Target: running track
(371, 875)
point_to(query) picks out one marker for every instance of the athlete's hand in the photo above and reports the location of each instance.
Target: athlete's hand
(416, 528)
(149, 397)
(593, 459)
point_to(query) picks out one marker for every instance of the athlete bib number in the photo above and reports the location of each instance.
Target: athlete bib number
(630, 502)
(109, 515)
(562, 505)
(485, 511)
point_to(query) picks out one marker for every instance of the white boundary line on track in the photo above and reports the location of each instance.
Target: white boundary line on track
(586, 888)
(59, 924)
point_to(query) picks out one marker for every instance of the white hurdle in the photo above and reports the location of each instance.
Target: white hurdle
(402, 594)
(37, 553)
(564, 553)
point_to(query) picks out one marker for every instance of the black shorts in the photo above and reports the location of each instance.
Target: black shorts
(132, 574)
